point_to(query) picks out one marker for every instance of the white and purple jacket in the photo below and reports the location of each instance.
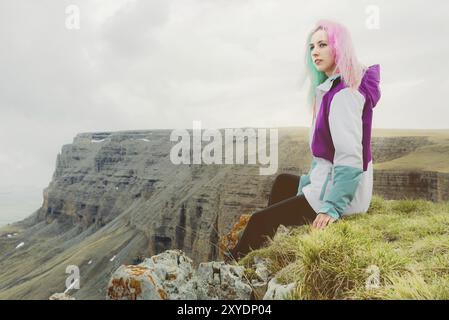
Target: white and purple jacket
(340, 180)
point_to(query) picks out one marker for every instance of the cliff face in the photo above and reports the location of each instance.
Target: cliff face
(401, 184)
(116, 196)
(129, 177)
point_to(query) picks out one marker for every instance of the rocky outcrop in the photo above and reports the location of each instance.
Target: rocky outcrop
(171, 276)
(167, 276)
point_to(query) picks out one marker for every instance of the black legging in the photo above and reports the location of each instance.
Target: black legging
(284, 207)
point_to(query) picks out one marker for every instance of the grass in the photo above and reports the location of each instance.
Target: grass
(398, 250)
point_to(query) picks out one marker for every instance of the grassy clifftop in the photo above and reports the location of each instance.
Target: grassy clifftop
(432, 156)
(398, 250)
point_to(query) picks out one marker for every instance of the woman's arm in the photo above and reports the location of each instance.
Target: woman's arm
(345, 123)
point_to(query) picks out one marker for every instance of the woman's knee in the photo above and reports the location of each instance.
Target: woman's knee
(285, 179)
(258, 217)
(285, 185)
(281, 178)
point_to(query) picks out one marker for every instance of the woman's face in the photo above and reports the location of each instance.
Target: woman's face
(321, 53)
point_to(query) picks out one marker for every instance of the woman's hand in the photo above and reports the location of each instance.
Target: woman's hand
(322, 220)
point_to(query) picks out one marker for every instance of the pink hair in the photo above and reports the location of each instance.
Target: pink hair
(350, 69)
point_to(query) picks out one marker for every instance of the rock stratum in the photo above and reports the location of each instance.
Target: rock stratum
(115, 197)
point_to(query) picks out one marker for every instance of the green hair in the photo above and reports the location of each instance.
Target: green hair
(316, 77)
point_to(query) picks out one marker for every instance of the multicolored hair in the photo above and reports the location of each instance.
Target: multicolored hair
(340, 42)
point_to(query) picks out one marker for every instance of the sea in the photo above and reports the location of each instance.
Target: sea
(18, 202)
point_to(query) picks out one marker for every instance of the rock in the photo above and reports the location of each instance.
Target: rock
(283, 230)
(229, 240)
(170, 276)
(20, 245)
(175, 272)
(134, 283)
(167, 276)
(259, 290)
(277, 291)
(218, 280)
(61, 296)
(260, 283)
(260, 265)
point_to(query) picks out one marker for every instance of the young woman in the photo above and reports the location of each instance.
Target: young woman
(342, 96)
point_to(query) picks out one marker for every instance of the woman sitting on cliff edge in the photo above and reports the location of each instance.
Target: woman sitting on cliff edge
(342, 96)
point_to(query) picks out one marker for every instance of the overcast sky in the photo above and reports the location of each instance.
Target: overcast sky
(141, 64)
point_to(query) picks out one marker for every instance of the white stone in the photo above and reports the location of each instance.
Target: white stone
(261, 269)
(218, 280)
(277, 291)
(20, 245)
(61, 296)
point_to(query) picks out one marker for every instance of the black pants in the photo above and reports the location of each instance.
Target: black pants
(284, 207)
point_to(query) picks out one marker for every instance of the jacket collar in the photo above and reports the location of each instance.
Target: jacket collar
(327, 84)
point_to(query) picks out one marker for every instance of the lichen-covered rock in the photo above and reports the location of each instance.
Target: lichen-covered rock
(61, 296)
(167, 276)
(277, 291)
(170, 276)
(218, 280)
(229, 240)
(175, 272)
(134, 283)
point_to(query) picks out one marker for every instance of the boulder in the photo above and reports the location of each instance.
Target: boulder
(167, 276)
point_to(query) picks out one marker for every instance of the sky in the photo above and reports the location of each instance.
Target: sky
(148, 64)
